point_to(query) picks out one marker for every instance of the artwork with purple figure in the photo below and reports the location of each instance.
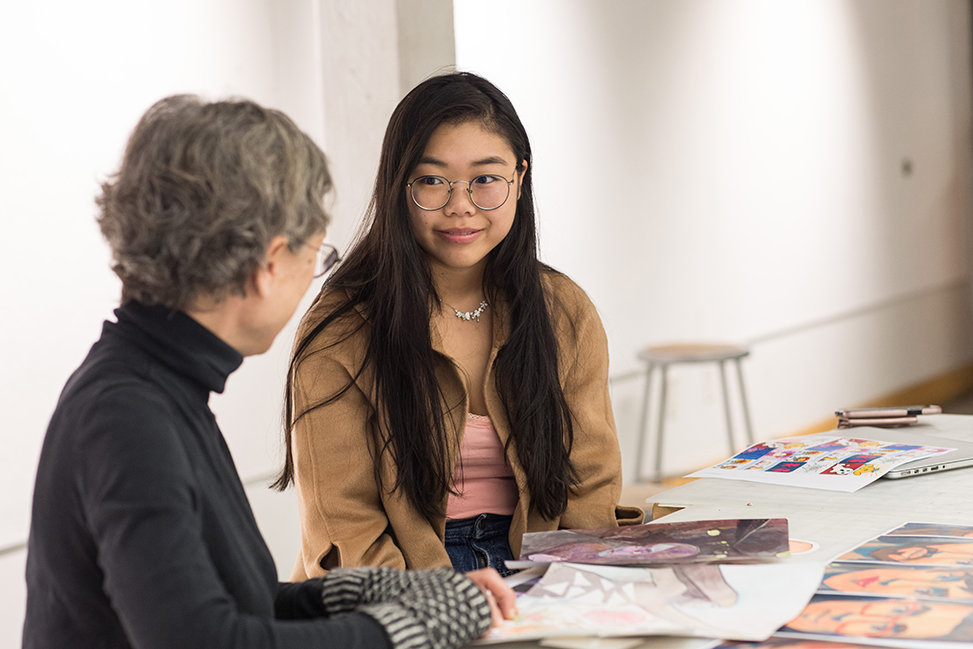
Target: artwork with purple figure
(661, 543)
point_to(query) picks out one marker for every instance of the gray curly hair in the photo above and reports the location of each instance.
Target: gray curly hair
(201, 191)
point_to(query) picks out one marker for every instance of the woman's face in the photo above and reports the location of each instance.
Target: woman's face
(459, 235)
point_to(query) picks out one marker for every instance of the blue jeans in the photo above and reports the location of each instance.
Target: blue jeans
(479, 542)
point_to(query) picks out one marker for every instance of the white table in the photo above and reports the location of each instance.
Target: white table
(835, 520)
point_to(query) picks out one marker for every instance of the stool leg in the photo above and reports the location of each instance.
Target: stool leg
(644, 426)
(746, 407)
(662, 419)
(726, 406)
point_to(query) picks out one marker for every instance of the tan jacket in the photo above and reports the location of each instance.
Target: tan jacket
(349, 519)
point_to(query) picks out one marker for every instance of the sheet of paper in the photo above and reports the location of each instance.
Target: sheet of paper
(920, 545)
(828, 461)
(746, 602)
(653, 642)
(592, 643)
(790, 643)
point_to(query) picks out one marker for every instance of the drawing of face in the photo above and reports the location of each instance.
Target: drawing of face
(956, 584)
(880, 618)
(918, 529)
(953, 554)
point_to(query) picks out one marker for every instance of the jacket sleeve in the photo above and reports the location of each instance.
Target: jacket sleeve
(343, 519)
(595, 453)
(141, 504)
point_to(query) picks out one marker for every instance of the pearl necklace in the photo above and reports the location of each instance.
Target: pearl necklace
(475, 314)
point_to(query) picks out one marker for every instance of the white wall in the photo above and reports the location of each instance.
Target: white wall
(74, 79)
(732, 171)
(744, 159)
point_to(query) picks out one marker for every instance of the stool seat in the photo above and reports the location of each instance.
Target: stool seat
(692, 353)
(662, 356)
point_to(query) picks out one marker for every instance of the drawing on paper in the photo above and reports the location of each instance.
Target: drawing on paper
(899, 618)
(913, 550)
(655, 544)
(932, 529)
(745, 602)
(824, 461)
(931, 582)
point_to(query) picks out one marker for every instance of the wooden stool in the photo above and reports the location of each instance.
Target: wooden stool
(665, 355)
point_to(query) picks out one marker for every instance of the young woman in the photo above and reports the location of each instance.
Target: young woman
(448, 391)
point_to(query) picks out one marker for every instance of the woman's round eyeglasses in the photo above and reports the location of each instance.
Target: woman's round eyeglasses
(487, 192)
(327, 258)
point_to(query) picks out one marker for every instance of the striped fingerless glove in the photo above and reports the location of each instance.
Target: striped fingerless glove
(438, 608)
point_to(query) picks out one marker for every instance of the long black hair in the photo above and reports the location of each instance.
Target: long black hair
(387, 276)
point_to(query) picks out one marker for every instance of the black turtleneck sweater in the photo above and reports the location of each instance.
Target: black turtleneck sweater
(141, 533)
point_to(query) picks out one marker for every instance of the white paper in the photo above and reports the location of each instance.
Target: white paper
(845, 462)
(744, 602)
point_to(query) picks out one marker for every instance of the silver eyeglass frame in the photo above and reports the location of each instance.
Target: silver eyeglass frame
(326, 260)
(469, 191)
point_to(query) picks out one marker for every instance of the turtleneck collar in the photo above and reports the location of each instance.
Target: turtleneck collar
(178, 342)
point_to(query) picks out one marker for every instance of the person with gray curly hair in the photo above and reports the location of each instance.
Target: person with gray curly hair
(141, 533)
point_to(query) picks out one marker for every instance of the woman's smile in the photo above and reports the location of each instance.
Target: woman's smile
(459, 235)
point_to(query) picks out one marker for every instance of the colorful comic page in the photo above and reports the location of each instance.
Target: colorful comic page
(831, 462)
(685, 542)
(743, 602)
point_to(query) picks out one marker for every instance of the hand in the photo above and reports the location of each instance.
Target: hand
(438, 608)
(501, 597)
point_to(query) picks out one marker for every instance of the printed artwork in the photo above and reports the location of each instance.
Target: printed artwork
(927, 529)
(907, 587)
(914, 550)
(933, 582)
(746, 602)
(892, 618)
(660, 543)
(789, 643)
(828, 461)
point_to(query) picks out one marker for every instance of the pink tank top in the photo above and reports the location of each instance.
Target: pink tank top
(484, 481)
